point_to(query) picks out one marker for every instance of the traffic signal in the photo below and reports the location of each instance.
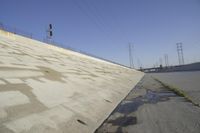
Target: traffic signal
(50, 26)
(51, 33)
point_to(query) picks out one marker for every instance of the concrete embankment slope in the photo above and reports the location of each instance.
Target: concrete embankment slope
(46, 89)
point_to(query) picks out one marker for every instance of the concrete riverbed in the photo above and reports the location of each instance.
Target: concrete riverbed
(152, 108)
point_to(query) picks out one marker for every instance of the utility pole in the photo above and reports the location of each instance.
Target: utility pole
(131, 56)
(160, 60)
(180, 53)
(139, 63)
(166, 60)
(49, 34)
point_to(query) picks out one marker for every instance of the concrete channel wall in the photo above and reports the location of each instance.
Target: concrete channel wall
(47, 89)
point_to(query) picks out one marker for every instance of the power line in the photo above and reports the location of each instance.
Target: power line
(93, 10)
(107, 26)
(92, 17)
(86, 14)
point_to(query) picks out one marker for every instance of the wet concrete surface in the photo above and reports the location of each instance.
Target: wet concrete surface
(151, 97)
(147, 93)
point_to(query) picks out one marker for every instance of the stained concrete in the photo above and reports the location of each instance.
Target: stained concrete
(188, 82)
(47, 89)
(152, 108)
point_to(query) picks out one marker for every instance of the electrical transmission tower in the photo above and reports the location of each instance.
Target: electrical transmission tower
(166, 60)
(180, 53)
(131, 55)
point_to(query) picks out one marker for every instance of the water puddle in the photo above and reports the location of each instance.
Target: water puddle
(130, 106)
(124, 115)
(124, 121)
(151, 97)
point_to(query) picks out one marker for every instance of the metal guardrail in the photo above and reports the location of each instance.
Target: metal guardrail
(17, 31)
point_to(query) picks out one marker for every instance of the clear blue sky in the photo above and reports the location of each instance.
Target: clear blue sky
(105, 27)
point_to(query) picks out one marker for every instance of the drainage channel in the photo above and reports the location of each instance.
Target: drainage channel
(130, 106)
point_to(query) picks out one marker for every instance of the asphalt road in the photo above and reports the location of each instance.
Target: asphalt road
(152, 108)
